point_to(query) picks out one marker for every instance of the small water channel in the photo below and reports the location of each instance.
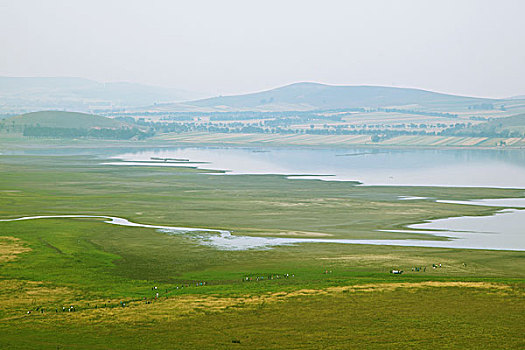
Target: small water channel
(501, 231)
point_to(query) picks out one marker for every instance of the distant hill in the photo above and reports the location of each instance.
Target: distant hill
(59, 119)
(21, 94)
(311, 96)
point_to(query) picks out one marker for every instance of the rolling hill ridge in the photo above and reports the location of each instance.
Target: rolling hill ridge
(312, 96)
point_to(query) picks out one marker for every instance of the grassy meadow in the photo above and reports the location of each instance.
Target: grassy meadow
(310, 295)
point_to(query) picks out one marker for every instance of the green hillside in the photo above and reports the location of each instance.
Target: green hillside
(513, 126)
(59, 119)
(514, 123)
(56, 124)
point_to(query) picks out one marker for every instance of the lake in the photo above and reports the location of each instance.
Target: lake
(414, 167)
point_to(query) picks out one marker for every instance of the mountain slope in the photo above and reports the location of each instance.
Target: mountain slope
(309, 96)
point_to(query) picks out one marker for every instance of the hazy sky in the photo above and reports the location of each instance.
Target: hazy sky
(467, 47)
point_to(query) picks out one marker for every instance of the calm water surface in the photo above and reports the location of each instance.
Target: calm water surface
(472, 168)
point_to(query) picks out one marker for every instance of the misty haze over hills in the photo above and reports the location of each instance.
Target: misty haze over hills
(24, 94)
(21, 95)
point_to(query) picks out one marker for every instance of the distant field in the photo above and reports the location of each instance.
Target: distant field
(339, 140)
(359, 127)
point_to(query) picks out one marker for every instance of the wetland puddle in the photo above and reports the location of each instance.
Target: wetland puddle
(501, 231)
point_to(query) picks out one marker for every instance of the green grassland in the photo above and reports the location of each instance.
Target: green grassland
(336, 296)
